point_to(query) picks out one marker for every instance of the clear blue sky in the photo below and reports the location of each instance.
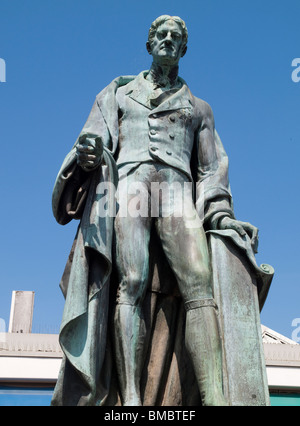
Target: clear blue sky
(59, 54)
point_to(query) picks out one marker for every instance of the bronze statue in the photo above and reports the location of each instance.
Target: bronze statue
(149, 131)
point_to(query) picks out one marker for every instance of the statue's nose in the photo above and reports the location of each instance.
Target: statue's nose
(168, 40)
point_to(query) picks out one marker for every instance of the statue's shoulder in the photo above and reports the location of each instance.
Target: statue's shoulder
(112, 87)
(202, 106)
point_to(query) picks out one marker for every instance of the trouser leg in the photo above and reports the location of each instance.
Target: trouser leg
(132, 241)
(189, 259)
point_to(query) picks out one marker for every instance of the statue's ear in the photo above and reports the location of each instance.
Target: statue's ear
(184, 51)
(148, 47)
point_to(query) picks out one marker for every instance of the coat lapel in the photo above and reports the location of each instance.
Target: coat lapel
(141, 91)
(179, 100)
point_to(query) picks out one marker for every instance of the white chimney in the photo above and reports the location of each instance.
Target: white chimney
(21, 312)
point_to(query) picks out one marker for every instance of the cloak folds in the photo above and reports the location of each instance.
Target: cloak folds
(88, 374)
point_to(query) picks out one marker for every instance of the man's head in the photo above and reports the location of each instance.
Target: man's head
(167, 40)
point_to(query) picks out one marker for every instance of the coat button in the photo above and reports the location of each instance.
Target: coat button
(172, 118)
(153, 132)
(171, 135)
(169, 152)
(153, 148)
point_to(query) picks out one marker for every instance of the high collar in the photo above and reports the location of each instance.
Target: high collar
(157, 77)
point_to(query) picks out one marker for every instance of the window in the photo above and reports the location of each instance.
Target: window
(25, 396)
(288, 399)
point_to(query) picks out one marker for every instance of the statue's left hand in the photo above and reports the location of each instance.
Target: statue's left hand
(241, 228)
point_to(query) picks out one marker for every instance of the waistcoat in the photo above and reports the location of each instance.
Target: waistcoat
(163, 133)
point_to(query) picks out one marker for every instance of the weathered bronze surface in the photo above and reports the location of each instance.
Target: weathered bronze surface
(162, 288)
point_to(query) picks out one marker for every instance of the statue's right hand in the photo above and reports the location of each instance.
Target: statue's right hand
(89, 151)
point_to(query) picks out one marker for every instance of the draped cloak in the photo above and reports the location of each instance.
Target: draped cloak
(88, 373)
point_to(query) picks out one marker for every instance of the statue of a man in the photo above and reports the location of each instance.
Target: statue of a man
(155, 131)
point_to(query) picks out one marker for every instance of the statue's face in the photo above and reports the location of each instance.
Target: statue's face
(166, 47)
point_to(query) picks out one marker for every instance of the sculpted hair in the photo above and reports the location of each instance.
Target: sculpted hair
(160, 20)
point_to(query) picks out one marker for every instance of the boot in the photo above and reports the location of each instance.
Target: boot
(203, 343)
(129, 346)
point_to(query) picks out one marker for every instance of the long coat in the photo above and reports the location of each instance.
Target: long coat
(87, 375)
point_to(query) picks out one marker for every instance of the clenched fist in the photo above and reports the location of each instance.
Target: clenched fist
(89, 152)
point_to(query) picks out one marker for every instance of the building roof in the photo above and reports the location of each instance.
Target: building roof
(271, 336)
(30, 344)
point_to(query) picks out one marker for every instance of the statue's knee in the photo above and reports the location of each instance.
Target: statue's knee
(132, 289)
(200, 275)
(198, 284)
